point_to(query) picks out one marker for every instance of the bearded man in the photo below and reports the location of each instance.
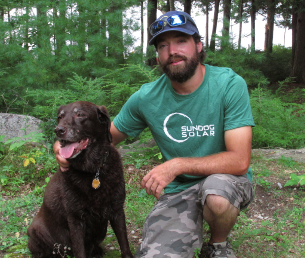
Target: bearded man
(200, 117)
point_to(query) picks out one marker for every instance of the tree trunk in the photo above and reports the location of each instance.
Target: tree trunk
(294, 30)
(188, 6)
(216, 10)
(2, 13)
(2, 35)
(172, 5)
(240, 15)
(298, 70)
(207, 25)
(253, 14)
(26, 30)
(151, 15)
(59, 24)
(269, 26)
(43, 33)
(266, 36)
(226, 22)
(115, 30)
(142, 28)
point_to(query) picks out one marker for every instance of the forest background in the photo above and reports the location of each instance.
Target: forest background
(56, 52)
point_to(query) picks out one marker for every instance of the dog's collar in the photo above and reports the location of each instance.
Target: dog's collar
(96, 181)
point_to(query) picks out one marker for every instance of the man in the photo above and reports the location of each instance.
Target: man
(201, 119)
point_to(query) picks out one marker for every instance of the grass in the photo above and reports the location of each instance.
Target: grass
(272, 226)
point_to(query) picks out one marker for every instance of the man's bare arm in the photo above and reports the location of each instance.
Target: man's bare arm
(235, 161)
(117, 136)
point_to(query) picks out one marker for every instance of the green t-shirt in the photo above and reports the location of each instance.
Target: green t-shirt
(190, 125)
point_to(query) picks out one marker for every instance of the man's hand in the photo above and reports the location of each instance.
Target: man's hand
(159, 177)
(63, 163)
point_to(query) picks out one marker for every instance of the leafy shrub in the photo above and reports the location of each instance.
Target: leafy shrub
(278, 124)
(25, 159)
(277, 65)
(121, 83)
(296, 180)
(244, 62)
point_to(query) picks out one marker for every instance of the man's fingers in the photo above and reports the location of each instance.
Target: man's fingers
(158, 191)
(147, 185)
(145, 180)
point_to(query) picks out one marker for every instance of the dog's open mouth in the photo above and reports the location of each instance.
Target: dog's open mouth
(71, 150)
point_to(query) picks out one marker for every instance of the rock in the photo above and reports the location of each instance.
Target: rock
(13, 125)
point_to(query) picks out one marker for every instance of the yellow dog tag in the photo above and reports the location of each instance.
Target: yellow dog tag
(96, 183)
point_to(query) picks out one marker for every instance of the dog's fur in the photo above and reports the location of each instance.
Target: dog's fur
(74, 216)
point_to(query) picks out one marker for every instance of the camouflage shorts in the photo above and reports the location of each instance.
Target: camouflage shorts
(173, 229)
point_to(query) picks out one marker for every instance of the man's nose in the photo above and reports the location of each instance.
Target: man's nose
(172, 49)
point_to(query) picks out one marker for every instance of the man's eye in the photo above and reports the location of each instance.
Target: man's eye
(162, 46)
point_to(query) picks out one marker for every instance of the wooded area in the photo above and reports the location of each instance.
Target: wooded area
(46, 43)
(60, 51)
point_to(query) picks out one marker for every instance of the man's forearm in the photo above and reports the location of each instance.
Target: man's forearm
(221, 163)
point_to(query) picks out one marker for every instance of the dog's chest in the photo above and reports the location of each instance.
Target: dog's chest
(83, 199)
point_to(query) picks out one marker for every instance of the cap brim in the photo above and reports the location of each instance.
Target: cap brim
(183, 30)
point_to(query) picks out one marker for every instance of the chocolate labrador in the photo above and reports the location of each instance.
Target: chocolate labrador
(78, 203)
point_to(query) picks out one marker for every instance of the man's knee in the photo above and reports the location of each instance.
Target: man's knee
(218, 205)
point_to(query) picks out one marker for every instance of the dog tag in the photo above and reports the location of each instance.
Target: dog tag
(96, 183)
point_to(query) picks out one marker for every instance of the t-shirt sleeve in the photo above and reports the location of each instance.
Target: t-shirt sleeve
(130, 120)
(237, 104)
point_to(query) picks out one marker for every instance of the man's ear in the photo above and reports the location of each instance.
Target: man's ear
(199, 46)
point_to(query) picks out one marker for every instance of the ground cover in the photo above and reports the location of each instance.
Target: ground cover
(272, 226)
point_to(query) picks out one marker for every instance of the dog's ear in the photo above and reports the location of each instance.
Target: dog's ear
(104, 118)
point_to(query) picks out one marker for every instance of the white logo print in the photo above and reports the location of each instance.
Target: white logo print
(188, 131)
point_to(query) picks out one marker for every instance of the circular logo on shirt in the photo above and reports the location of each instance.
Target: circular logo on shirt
(166, 129)
(179, 128)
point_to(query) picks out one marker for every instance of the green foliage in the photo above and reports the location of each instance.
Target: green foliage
(1, 144)
(142, 150)
(121, 83)
(296, 180)
(137, 211)
(16, 142)
(288, 162)
(277, 123)
(16, 215)
(277, 65)
(244, 62)
(41, 50)
(25, 158)
(143, 156)
(288, 92)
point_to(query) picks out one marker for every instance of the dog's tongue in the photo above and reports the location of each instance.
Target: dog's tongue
(67, 151)
(70, 149)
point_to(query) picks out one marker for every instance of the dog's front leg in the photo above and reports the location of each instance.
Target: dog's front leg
(118, 225)
(77, 234)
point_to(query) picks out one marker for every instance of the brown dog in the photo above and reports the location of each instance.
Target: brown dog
(78, 203)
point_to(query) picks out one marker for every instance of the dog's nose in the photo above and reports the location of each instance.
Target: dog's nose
(60, 130)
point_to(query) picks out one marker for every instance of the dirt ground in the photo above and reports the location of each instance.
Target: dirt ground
(295, 154)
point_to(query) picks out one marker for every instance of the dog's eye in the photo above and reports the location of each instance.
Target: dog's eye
(80, 114)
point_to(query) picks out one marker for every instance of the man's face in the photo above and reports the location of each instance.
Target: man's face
(178, 55)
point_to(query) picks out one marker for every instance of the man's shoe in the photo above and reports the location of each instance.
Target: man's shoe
(220, 250)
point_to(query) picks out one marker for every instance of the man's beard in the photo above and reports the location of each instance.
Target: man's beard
(181, 73)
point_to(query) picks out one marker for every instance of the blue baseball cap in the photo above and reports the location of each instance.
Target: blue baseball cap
(172, 21)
